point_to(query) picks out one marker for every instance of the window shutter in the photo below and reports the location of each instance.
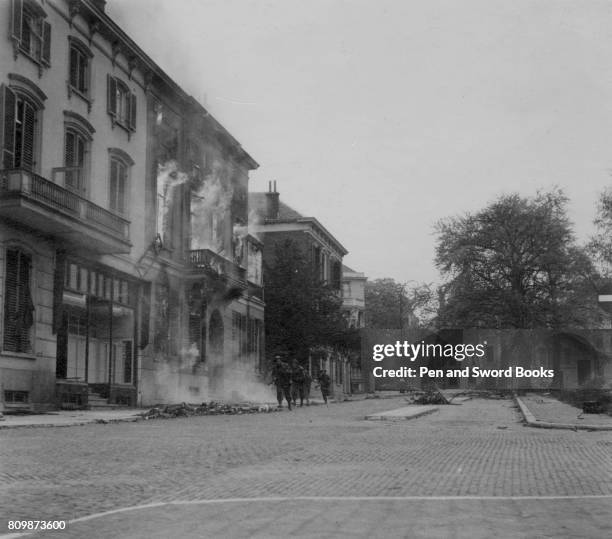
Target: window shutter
(18, 305)
(113, 185)
(112, 95)
(16, 19)
(133, 112)
(121, 181)
(7, 127)
(74, 62)
(83, 78)
(46, 44)
(29, 127)
(10, 302)
(69, 151)
(70, 160)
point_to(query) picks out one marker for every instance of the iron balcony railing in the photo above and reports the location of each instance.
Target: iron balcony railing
(214, 263)
(20, 182)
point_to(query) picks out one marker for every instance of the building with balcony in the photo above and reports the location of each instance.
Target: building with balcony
(353, 309)
(116, 285)
(274, 222)
(353, 297)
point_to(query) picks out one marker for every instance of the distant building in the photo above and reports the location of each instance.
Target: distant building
(353, 297)
(274, 222)
(353, 309)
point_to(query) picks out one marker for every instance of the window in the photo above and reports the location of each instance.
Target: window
(19, 133)
(75, 150)
(239, 334)
(121, 104)
(16, 397)
(30, 33)
(79, 68)
(77, 142)
(120, 162)
(18, 305)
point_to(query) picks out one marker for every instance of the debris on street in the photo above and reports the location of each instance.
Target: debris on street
(433, 396)
(166, 411)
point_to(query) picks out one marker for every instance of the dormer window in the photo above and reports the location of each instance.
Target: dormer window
(121, 104)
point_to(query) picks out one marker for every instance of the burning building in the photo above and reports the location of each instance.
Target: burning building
(127, 274)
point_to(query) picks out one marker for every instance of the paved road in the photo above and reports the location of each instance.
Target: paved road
(466, 471)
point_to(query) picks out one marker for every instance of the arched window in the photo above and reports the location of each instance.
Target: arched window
(77, 143)
(18, 304)
(121, 104)
(120, 163)
(30, 33)
(79, 71)
(22, 104)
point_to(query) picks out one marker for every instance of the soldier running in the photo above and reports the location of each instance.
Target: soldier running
(306, 386)
(297, 388)
(281, 378)
(324, 383)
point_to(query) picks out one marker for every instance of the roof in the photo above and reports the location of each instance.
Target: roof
(144, 62)
(350, 273)
(257, 202)
(286, 214)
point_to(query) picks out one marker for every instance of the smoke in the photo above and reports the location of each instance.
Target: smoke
(174, 383)
(188, 380)
(254, 220)
(242, 385)
(168, 177)
(211, 199)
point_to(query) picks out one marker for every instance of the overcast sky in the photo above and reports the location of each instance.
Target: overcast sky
(380, 117)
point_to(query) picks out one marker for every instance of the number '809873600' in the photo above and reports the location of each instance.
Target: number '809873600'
(36, 524)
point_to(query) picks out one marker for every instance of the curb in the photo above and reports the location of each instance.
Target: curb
(531, 421)
(419, 413)
(72, 424)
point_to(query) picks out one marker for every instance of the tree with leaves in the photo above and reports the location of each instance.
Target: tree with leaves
(392, 305)
(301, 311)
(515, 264)
(600, 246)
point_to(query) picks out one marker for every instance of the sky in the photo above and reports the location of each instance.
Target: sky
(381, 117)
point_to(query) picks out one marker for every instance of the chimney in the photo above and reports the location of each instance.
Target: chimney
(272, 202)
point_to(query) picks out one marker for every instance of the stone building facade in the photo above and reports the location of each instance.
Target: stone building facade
(108, 291)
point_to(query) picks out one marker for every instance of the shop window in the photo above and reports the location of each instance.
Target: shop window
(16, 397)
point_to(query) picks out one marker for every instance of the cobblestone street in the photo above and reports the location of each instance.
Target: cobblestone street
(471, 470)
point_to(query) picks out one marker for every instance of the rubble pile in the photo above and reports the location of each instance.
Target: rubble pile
(166, 411)
(430, 397)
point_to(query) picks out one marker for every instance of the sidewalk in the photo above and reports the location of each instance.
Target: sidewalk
(72, 418)
(550, 413)
(65, 418)
(407, 412)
